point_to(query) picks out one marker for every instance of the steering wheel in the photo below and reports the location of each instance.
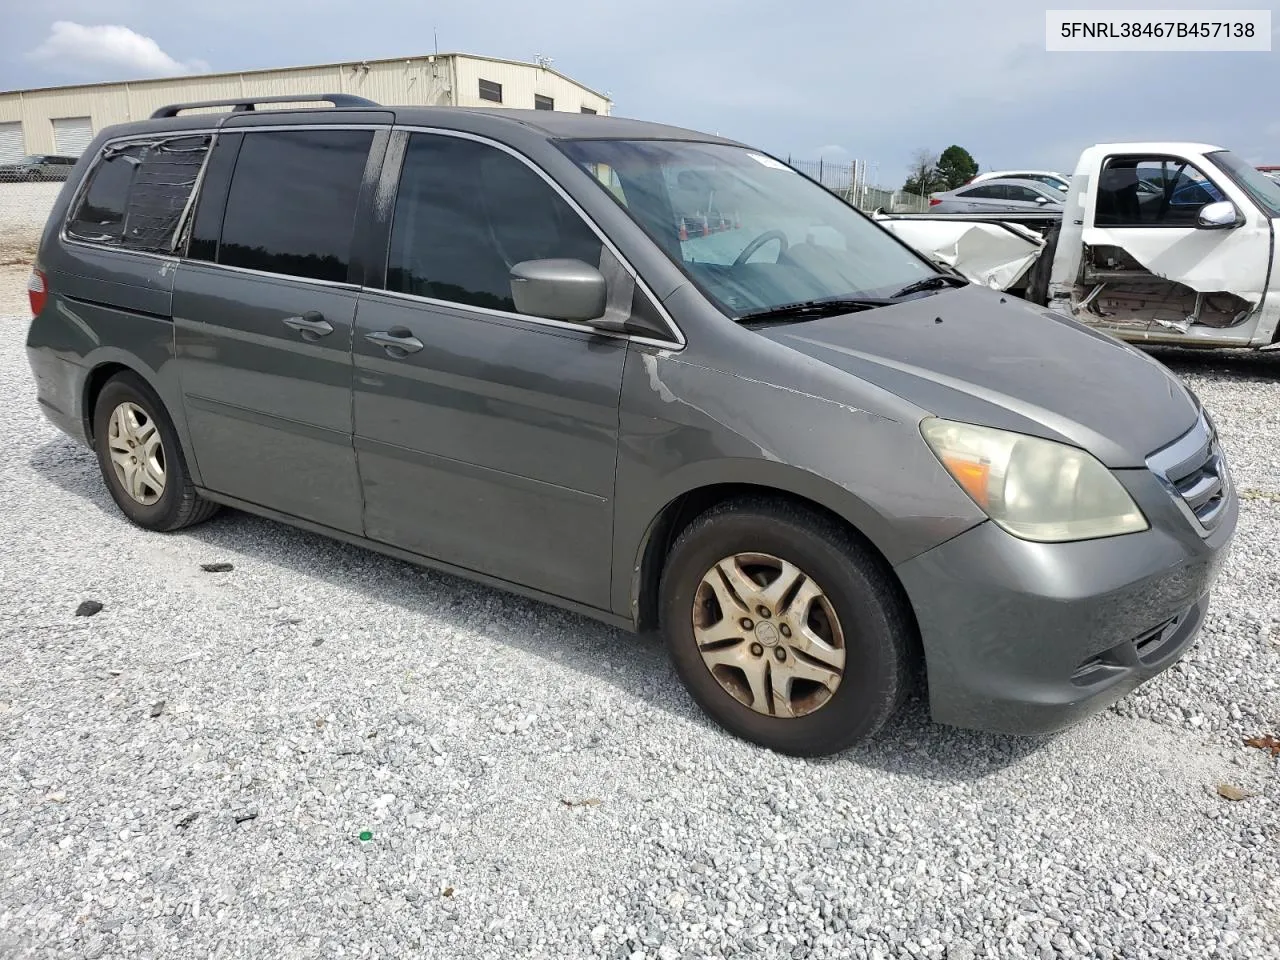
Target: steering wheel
(760, 241)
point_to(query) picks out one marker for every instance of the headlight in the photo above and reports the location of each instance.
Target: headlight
(1036, 489)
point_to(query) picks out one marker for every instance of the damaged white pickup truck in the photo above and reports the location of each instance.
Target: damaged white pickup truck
(1160, 243)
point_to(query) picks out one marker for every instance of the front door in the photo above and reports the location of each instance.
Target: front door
(263, 315)
(485, 438)
(1152, 269)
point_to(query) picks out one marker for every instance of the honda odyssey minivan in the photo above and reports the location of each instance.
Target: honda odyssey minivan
(489, 341)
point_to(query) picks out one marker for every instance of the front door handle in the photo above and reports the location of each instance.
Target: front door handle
(398, 342)
(312, 325)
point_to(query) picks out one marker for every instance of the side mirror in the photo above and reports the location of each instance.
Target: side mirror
(1042, 200)
(1221, 215)
(559, 290)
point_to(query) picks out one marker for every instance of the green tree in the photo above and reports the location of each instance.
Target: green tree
(956, 167)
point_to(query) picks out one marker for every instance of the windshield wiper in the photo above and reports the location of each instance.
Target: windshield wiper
(930, 283)
(811, 309)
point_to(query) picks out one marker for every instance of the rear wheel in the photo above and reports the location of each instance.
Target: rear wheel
(784, 628)
(141, 459)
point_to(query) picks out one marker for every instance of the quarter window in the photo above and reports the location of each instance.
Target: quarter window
(466, 213)
(292, 204)
(490, 91)
(136, 195)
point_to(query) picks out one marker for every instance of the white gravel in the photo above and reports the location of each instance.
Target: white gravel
(24, 208)
(186, 774)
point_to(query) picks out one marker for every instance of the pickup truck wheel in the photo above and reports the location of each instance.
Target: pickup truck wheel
(783, 628)
(141, 458)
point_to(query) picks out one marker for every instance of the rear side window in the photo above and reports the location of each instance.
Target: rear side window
(137, 193)
(992, 192)
(466, 213)
(291, 207)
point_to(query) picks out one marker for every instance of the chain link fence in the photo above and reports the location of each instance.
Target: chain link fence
(851, 182)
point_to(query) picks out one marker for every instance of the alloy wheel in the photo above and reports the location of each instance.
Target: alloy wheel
(769, 635)
(133, 440)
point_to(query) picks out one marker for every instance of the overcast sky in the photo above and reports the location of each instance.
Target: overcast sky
(874, 80)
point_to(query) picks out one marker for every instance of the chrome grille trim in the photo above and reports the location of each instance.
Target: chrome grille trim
(1194, 472)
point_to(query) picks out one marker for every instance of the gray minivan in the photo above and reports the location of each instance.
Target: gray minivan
(647, 374)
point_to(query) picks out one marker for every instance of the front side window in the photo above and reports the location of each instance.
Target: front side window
(137, 193)
(291, 208)
(1140, 191)
(466, 213)
(1025, 194)
(751, 232)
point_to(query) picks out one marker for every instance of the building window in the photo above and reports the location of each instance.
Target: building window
(588, 110)
(490, 91)
(543, 103)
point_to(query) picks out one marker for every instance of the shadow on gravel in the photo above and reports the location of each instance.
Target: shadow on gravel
(910, 744)
(1233, 364)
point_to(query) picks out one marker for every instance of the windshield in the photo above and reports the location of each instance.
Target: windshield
(1261, 189)
(751, 232)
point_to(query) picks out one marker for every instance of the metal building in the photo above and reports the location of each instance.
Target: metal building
(63, 120)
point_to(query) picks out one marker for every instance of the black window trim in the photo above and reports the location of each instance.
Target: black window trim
(1139, 156)
(134, 139)
(381, 235)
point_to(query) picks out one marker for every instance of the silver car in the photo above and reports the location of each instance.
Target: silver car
(1004, 195)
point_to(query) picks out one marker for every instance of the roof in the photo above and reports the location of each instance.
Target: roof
(560, 124)
(497, 122)
(354, 62)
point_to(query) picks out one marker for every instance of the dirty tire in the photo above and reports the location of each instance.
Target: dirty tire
(877, 628)
(179, 505)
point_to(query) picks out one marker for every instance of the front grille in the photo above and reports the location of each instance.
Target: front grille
(1194, 471)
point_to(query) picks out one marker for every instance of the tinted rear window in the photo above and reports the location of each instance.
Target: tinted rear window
(292, 204)
(136, 194)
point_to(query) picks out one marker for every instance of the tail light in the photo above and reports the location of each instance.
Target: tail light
(37, 290)
(934, 201)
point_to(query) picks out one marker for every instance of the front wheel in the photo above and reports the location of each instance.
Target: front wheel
(784, 628)
(141, 459)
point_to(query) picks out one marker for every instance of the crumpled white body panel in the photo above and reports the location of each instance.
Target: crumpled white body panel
(1209, 261)
(984, 253)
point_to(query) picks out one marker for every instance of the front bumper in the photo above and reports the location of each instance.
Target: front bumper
(1027, 638)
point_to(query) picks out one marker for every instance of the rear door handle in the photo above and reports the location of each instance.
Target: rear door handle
(312, 325)
(398, 342)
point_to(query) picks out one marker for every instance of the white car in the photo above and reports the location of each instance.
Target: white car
(1042, 176)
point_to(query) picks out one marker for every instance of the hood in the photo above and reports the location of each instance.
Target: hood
(983, 357)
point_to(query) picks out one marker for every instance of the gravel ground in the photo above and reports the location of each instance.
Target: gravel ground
(24, 208)
(189, 772)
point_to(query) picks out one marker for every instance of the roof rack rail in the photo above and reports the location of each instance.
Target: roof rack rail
(248, 104)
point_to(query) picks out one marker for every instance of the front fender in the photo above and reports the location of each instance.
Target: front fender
(684, 428)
